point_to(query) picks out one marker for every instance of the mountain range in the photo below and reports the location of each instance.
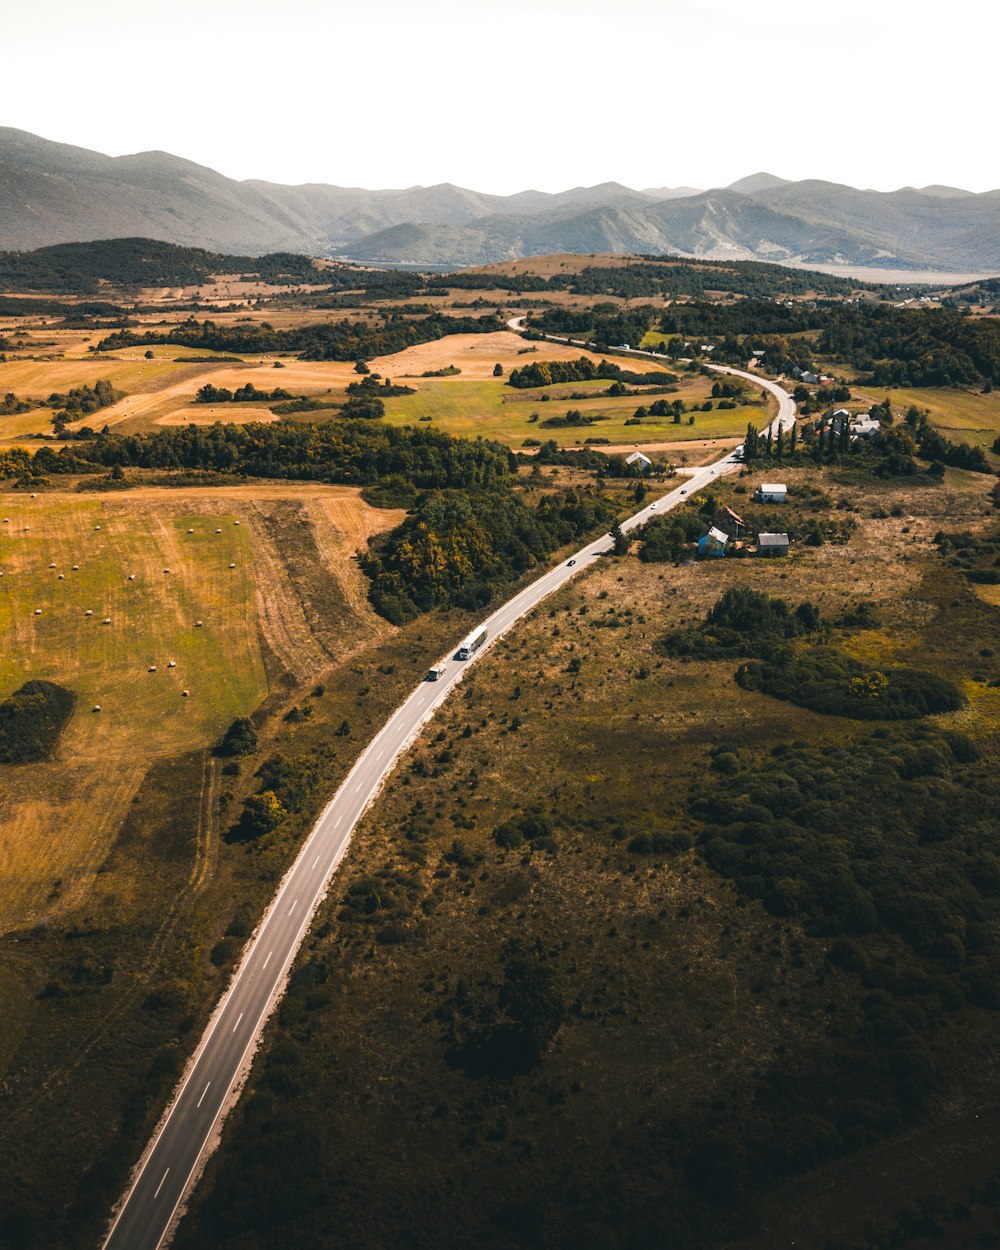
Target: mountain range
(56, 193)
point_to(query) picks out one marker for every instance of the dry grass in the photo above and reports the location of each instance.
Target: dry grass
(58, 819)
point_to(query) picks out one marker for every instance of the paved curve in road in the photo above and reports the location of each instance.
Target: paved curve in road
(189, 1128)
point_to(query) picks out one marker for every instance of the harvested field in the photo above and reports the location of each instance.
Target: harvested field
(295, 586)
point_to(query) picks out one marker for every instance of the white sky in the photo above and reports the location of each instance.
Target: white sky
(502, 95)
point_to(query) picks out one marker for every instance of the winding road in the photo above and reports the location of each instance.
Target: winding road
(189, 1129)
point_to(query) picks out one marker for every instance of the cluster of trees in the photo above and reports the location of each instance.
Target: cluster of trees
(10, 405)
(370, 387)
(573, 417)
(744, 622)
(828, 681)
(458, 548)
(31, 720)
(550, 372)
(81, 401)
(342, 340)
(882, 849)
(248, 394)
(887, 836)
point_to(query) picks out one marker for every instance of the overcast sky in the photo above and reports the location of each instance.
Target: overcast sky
(502, 95)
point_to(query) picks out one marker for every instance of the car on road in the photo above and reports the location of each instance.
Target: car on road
(571, 563)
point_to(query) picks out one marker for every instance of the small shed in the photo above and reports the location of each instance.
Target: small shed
(638, 462)
(772, 492)
(713, 543)
(772, 544)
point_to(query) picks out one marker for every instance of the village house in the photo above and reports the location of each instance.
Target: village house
(713, 543)
(771, 492)
(638, 462)
(729, 521)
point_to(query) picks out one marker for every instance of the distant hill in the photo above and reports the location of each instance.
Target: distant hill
(52, 193)
(85, 268)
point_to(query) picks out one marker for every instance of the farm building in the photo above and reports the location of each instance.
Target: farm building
(771, 492)
(713, 543)
(772, 544)
(638, 462)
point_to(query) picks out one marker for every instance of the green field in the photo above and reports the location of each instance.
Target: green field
(964, 416)
(493, 410)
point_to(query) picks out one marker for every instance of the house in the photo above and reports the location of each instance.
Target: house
(772, 544)
(810, 379)
(729, 521)
(639, 462)
(771, 492)
(865, 427)
(713, 543)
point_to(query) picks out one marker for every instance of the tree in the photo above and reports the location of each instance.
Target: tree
(261, 813)
(498, 370)
(621, 540)
(361, 367)
(239, 739)
(750, 444)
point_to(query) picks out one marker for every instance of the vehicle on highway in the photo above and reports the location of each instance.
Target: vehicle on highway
(436, 671)
(683, 492)
(468, 648)
(571, 563)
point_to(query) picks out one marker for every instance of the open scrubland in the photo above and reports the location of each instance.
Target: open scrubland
(541, 1002)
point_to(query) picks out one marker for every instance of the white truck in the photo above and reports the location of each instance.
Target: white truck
(436, 671)
(469, 646)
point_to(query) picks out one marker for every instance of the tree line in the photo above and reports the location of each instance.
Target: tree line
(343, 340)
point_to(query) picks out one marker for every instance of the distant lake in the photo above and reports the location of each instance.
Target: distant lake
(900, 277)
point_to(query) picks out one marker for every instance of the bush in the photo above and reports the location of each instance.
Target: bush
(239, 739)
(827, 681)
(31, 720)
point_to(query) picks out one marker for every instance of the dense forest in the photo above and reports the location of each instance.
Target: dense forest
(333, 451)
(344, 340)
(458, 548)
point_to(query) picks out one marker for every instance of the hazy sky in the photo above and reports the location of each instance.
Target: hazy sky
(501, 95)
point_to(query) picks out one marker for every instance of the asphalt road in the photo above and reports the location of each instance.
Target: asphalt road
(189, 1128)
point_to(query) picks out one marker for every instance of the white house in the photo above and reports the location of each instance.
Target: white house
(640, 462)
(772, 492)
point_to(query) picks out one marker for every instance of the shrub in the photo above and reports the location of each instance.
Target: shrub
(31, 720)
